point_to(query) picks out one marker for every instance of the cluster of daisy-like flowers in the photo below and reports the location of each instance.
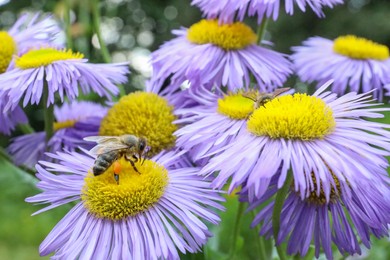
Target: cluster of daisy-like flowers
(312, 168)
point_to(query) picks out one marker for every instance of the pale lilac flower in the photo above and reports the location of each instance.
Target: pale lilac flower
(173, 223)
(9, 119)
(74, 121)
(217, 63)
(317, 61)
(347, 220)
(321, 136)
(63, 72)
(229, 10)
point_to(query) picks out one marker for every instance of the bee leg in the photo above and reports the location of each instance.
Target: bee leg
(135, 168)
(116, 177)
(135, 158)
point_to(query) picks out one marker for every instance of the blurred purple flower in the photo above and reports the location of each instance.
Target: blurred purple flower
(346, 220)
(174, 222)
(229, 10)
(320, 134)
(9, 119)
(317, 61)
(74, 121)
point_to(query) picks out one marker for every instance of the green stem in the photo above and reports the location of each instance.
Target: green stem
(26, 128)
(278, 206)
(96, 28)
(281, 253)
(260, 241)
(236, 229)
(68, 26)
(261, 30)
(48, 113)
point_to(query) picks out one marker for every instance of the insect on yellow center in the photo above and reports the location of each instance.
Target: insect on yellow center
(235, 106)
(44, 57)
(135, 192)
(314, 198)
(7, 49)
(227, 36)
(64, 124)
(297, 116)
(142, 114)
(360, 48)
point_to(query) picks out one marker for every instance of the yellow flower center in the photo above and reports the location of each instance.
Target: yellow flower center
(227, 36)
(7, 49)
(44, 57)
(134, 193)
(142, 114)
(235, 106)
(360, 48)
(297, 116)
(64, 124)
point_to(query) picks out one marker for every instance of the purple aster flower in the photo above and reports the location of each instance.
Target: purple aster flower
(320, 135)
(355, 64)
(74, 121)
(229, 10)
(213, 124)
(346, 220)
(209, 53)
(9, 119)
(58, 71)
(28, 32)
(152, 215)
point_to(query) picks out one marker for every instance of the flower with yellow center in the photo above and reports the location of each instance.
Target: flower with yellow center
(52, 71)
(214, 123)
(149, 214)
(142, 114)
(211, 54)
(318, 137)
(354, 64)
(73, 122)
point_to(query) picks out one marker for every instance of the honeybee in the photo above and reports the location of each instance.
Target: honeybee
(111, 148)
(260, 98)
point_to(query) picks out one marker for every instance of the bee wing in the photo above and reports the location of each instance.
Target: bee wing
(252, 95)
(105, 148)
(280, 91)
(102, 139)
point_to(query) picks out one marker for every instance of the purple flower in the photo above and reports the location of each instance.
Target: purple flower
(151, 215)
(229, 10)
(58, 71)
(9, 119)
(321, 136)
(346, 220)
(211, 54)
(74, 121)
(213, 124)
(355, 64)
(27, 33)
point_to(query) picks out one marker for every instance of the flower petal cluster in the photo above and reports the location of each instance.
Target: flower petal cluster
(74, 121)
(229, 10)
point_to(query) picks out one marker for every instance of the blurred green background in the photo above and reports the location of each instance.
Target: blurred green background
(132, 29)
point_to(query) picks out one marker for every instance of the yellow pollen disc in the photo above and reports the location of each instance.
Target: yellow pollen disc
(135, 192)
(297, 116)
(360, 48)
(142, 114)
(227, 36)
(44, 57)
(64, 124)
(235, 106)
(7, 49)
